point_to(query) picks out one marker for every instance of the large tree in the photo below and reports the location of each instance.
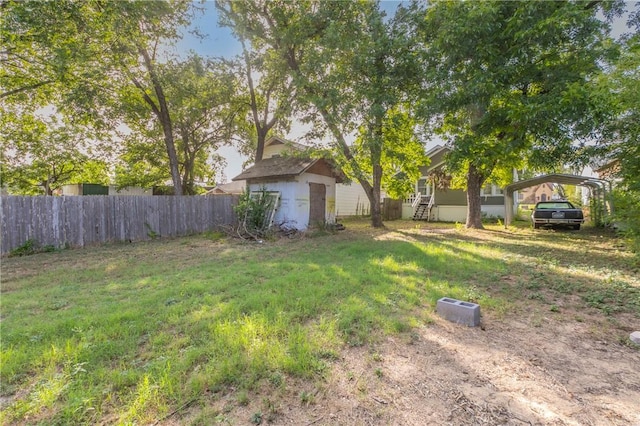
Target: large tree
(206, 111)
(348, 66)
(511, 86)
(81, 55)
(41, 154)
(269, 92)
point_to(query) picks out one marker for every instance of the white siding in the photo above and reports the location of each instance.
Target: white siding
(274, 149)
(450, 213)
(351, 200)
(459, 213)
(494, 211)
(407, 211)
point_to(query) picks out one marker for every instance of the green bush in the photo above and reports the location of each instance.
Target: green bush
(626, 216)
(30, 247)
(254, 213)
(27, 248)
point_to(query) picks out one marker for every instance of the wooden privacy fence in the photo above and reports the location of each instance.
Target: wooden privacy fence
(77, 221)
(391, 209)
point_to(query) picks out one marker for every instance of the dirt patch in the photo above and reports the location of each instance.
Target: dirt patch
(508, 372)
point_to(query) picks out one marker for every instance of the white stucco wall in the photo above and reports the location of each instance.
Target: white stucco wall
(293, 209)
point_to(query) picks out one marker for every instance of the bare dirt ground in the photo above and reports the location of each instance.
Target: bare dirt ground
(505, 373)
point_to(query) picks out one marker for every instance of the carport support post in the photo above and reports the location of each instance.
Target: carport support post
(610, 197)
(508, 208)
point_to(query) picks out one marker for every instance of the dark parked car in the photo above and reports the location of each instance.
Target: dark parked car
(557, 212)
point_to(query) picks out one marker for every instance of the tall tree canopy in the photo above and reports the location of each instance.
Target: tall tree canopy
(348, 66)
(511, 86)
(40, 154)
(82, 55)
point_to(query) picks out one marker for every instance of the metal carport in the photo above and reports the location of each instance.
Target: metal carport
(600, 190)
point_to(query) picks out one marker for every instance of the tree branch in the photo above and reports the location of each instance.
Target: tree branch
(25, 88)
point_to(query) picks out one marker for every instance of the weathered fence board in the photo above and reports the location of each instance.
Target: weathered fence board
(77, 221)
(391, 209)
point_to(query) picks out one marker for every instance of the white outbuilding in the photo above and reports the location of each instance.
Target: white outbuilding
(304, 188)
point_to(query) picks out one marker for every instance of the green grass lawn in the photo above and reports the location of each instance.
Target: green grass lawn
(129, 333)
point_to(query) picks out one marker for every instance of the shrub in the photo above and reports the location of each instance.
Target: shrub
(254, 212)
(30, 247)
(626, 217)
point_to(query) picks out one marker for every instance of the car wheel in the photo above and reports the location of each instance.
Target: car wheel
(536, 226)
(576, 227)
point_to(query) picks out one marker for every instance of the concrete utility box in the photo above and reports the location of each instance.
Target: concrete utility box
(460, 312)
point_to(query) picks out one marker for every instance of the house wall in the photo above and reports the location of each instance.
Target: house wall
(492, 200)
(449, 213)
(496, 210)
(451, 206)
(293, 210)
(450, 197)
(351, 200)
(534, 194)
(459, 213)
(84, 189)
(72, 189)
(275, 148)
(436, 159)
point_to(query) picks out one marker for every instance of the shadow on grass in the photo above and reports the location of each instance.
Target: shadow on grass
(133, 338)
(561, 265)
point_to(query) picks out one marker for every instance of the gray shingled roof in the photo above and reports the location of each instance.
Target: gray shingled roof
(277, 167)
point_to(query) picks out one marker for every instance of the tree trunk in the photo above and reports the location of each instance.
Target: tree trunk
(376, 207)
(260, 129)
(475, 179)
(162, 112)
(262, 138)
(188, 179)
(171, 151)
(46, 185)
(376, 159)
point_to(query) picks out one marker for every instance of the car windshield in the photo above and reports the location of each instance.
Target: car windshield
(554, 205)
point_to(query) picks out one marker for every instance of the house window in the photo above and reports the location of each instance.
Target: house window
(491, 189)
(424, 187)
